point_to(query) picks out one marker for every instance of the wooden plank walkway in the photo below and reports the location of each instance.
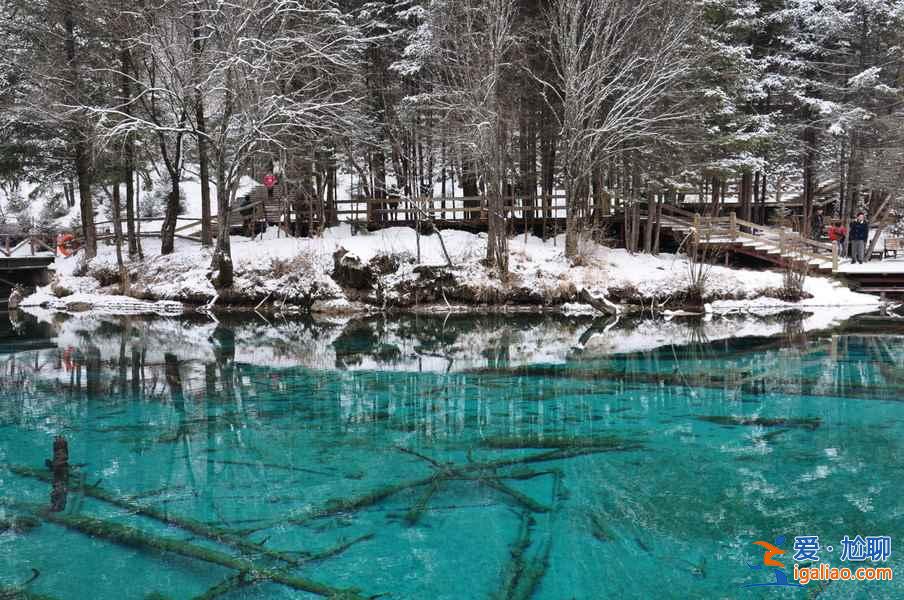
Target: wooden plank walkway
(775, 245)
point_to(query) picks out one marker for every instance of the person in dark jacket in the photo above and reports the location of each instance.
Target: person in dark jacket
(859, 234)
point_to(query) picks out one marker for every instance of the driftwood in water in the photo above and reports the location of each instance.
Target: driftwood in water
(600, 443)
(20, 591)
(135, 538)
(522, 499)
(484, 470)
(18, 524)
(244, 578)
(59, 466)
(417, 511)
(15, 593)
(811, 423)
(522, 575)
(215, 534)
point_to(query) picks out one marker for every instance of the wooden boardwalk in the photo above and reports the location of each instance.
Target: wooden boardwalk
(24, 258)
(727, 234)
(777, 245)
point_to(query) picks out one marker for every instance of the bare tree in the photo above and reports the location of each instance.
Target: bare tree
(279, 78)
(617, 64)
(473, 43)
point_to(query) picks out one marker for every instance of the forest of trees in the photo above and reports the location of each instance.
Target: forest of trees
(622, 104)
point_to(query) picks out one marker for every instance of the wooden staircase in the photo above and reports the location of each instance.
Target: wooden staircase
(776, 245)
(261, 208)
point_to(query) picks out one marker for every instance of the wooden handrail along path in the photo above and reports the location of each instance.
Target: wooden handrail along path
(36, 242)
(774, 244)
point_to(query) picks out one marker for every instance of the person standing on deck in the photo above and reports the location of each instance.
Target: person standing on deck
(270, 181)
(859, 236)
(837, 235)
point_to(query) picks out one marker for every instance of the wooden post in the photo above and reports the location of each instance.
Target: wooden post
(733, 219)
(834, 258)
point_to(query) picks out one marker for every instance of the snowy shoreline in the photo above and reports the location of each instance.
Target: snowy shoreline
(343, 273)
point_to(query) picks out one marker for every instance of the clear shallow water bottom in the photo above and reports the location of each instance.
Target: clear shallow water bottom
(506, 474)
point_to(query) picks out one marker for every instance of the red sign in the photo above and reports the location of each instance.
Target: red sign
(269, 181)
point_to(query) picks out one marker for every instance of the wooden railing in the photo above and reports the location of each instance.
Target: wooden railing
(790, 244)
(35, 242)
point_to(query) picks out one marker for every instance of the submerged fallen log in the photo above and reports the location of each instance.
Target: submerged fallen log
(522, 575)
(523, 499)
(125, 535)
(561, 443)
(212, 533)
(18, 524)
(14, 593)
(417, 511)
(244, 578)
(21, 592)
(448, 472)
(811, 423)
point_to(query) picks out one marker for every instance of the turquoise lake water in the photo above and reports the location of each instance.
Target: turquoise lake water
(442, 457)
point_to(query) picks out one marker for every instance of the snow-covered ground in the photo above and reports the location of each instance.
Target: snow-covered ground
(888, 265)
(289, 270)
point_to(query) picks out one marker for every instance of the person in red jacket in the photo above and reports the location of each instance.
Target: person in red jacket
(837, 235)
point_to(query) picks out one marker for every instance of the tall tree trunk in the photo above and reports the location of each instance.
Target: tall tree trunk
(809, 174)
(204, 170)
(854, 178)
(548, 163)
(304, 198)
(658, 230)
(379, 187)
(527, 161)
(470, 189)
(117, 235)
(755, 193)
(201, 125)
(128, 153)
(746, 194)
(222, 272)
(651, 223)
(332, 208)
(571, 226)
(168, 228)
(82, 151)
(86, 203)
(764, 183)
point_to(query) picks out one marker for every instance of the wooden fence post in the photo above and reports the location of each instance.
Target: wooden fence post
(834, 258)
(733, 219)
